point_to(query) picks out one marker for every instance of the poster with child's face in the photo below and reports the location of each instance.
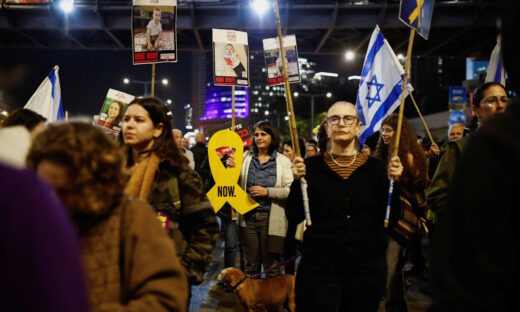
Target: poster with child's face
(154, 31)
(230, 58)
(273, 60)
(113, 109)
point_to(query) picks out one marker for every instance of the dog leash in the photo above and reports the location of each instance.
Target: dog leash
(277, 266)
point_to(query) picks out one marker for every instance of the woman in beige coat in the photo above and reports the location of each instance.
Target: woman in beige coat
(130, 263)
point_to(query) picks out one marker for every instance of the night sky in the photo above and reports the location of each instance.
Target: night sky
(86, 76)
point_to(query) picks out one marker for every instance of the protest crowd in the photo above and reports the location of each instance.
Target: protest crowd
(114, 214)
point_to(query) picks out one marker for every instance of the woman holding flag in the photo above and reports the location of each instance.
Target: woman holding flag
(343, 266)
(404, 230)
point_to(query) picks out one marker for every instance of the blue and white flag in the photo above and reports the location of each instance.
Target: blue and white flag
(46, 101)
(380, 86)
(495, 71)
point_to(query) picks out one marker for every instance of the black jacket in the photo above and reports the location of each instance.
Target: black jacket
(347, 215)
(476, 247)
(200, 152)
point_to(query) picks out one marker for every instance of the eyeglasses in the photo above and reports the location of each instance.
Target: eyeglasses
(493, 100)
(348, 120)
(387, 130)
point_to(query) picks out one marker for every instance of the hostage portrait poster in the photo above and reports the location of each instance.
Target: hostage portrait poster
(154, 31)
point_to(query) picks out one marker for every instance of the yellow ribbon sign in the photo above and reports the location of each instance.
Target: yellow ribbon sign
(226, 188)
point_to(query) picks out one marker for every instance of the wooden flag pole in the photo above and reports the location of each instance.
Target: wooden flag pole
(400, 122)
(403, 94)
(290, 111)
(153, 79)
(233, 214)
(233, 108)
(288, 96)
(422, 119)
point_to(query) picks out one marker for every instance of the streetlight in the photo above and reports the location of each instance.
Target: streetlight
(145, 83)
(168, 101)
(312, 96)
(67, 6)
(259, 6)
(349, 55)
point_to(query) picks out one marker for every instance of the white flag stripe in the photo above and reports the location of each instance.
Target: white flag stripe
(46, 101)
(495, 71)
(380, 87)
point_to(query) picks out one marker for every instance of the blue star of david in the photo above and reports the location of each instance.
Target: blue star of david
(378, 86)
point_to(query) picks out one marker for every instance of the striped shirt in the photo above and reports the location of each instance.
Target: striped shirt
(344, 172)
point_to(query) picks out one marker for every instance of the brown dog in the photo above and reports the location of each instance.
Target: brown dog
(260, 294)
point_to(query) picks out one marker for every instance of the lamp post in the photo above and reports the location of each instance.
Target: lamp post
(145, 83)
(312, 96)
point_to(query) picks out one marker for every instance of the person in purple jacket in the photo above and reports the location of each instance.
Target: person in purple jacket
(40, 268)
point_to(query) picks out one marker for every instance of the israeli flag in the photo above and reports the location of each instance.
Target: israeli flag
(380, 86)
(495, 71)
(46, 101)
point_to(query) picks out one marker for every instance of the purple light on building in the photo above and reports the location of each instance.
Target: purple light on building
(218, 103)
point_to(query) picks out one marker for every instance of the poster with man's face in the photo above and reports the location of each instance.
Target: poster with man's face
(154, 31)
(113, 109)
(273, 60)
(230, 57)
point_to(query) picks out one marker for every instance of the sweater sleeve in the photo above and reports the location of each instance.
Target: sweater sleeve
(282, 192)
(153, 278)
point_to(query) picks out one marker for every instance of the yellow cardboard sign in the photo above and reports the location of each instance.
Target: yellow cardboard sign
(226, 188)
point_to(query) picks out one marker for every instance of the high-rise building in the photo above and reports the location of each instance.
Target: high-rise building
(211, 105)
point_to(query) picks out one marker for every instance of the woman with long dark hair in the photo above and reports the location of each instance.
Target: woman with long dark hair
(266, 176)
(404, 231)
(159, 173)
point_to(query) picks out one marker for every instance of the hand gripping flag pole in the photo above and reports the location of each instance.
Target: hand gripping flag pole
(399, 123)
(290, 112)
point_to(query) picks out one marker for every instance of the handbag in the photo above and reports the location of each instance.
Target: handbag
(412, 207)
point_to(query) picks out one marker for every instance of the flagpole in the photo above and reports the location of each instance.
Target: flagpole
(400, 122)
(153, 79)
(233, 217)
(290, 111)
(422, 119)
(233, 108)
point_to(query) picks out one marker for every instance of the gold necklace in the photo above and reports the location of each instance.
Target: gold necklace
(343, 166)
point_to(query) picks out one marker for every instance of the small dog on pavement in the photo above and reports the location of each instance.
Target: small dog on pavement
(260, 294)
